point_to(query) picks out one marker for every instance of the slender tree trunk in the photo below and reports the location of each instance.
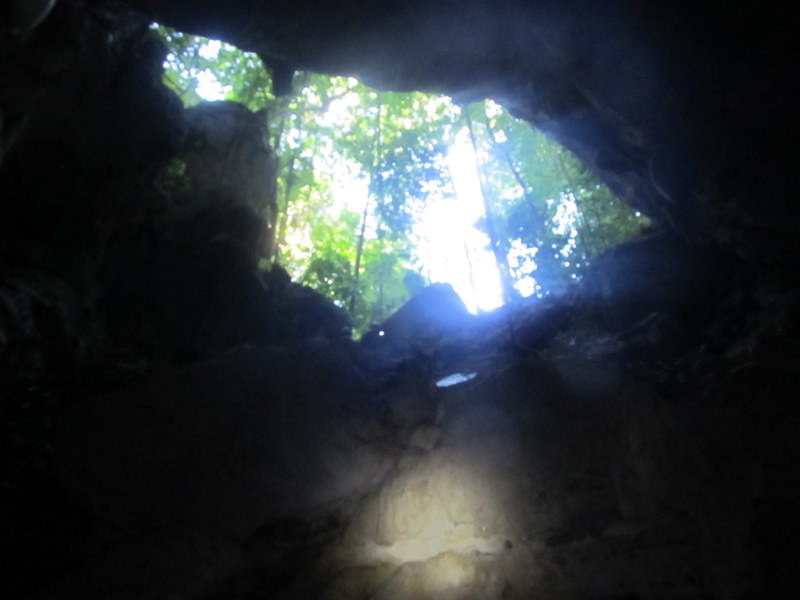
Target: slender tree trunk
(526, 190)
(470, 270)
(381, 277)
(506, 157)
(364, 216)
(359, 252)
(582, 237)
(467, 255)
(275, 135)
(282, 219)
(506, 283)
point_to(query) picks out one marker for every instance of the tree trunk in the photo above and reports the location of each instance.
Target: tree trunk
(470, 270)
(526, 190)
(588, 247)
(364, 216)
(359, 252)
(282, 217)
(506, 283)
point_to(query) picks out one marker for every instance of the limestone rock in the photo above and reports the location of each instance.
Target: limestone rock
(686, 110)
(302, 313)
(434, 312)
(228, 160)
(224, 447)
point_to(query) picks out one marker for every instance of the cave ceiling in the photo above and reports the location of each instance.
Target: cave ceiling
(662, 102)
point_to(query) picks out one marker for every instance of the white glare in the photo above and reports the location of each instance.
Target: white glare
(210, 49)
(451, 248)
(209, 88)
(455, 379)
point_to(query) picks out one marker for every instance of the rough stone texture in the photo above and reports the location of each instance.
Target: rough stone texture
(228, 160)
(300, 312)
(664, 102)
(639, 434)
(531, 491)
(224, 447)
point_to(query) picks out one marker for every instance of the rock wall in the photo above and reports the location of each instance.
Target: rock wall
(176, 423)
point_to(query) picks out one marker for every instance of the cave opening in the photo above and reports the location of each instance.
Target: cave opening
(179, 421)
(377, 194)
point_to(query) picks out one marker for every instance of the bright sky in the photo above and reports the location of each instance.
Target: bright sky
(450, 248)
(208, 86)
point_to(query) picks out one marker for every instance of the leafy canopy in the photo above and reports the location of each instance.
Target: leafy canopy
(388, 153)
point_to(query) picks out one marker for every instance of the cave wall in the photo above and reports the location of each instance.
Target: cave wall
(680, 111)
(667, 104)
(674, 366)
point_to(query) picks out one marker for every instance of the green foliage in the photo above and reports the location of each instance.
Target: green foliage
(384, 284)
(192, 61)
(326, 124)
(332, 253)
(554, 217)
(551, 216)
(398, 139)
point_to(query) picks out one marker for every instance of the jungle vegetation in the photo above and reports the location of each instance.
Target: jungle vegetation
(544, 215)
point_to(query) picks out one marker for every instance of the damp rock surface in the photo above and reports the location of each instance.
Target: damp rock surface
(225, 446)
(176, 423)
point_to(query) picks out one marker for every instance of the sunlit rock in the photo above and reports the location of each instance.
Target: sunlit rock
(449, 519)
